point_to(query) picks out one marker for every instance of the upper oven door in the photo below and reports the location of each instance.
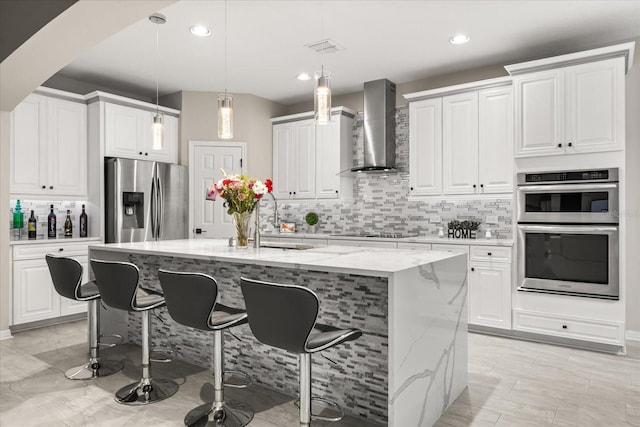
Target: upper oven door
(578, 260)
(568, 203)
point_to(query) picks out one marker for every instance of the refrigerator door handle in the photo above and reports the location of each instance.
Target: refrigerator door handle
(160, 206)
(154, 208)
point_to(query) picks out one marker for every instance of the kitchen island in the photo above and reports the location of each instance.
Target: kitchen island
(407, 368)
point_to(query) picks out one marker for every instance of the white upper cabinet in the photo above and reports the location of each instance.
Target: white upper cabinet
(128, 134)
(334, 154)
(461, 143)
(294, 160)
(495, 140)
(308, 158)
(575, 109)
(425, 147)
(49, 147)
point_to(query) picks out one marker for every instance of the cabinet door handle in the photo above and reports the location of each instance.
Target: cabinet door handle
(336, 191)
(481, 185)
(564, 326)
(474, 186)
(559, 145)
(411, 188)
(489, 253)
(51, 187)
(61, 249)
(140, 153)
(570, 144)
(146, 154)
(44, 186)
(473, 269)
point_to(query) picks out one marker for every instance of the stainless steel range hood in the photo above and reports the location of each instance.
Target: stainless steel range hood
(379, 127)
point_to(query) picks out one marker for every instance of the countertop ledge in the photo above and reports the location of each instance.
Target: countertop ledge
(365, 261)
(418, 239)
(60, 241)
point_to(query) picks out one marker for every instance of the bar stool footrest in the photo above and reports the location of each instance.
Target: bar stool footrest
(328, 404)
(169, 352)
(119, 341)
(243, 382)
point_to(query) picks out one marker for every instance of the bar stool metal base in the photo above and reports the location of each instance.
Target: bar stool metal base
(146, 391)
(94, 369)
(232, 414)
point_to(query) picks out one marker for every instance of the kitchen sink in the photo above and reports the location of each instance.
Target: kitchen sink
(284, 245)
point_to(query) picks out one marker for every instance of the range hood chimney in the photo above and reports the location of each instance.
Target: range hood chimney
(379, 127)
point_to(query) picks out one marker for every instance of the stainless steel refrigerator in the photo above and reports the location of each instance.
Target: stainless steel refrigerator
(145, 201)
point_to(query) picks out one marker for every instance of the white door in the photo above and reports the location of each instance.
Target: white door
(490, 295)
(122, 131)
(28, 154)
(282, 151)
(328, 159)
(539, 113)
(205, 161)
(460, 143)
(595, 106)
(67, 148)
(34, 297)
(305, 140)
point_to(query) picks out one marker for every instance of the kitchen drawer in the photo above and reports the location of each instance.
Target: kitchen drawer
(419, 246)
(568, 327)
(38, 251)
(490, 253)
(450, 248)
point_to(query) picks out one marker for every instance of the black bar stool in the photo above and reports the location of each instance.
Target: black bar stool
(284, 316)
(192, 301)
(119, 287)
(66, 274)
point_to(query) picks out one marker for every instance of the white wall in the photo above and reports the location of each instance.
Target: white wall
(252, 114)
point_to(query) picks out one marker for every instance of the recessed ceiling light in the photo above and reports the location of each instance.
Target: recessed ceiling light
(459, 39)
(303, 76)
(200, 30)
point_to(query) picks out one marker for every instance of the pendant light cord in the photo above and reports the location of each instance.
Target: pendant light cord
(157, 67)
(225, 48)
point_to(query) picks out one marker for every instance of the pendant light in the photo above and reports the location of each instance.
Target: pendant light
(322, 92)
(225, 101)
(157, 128)
(322, 97)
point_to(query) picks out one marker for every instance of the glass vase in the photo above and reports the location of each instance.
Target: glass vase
(241, 221)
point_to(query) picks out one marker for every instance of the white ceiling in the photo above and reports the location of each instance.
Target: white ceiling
(399, 40)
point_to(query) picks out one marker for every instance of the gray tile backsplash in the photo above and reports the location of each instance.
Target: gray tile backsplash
(380, 202)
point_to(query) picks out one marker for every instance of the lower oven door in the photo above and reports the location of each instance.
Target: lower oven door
(569, 259)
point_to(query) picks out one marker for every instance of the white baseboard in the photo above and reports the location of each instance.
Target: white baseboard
(632, 335)
(5, 335)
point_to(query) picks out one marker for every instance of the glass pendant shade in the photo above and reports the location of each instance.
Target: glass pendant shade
(157, 128)
(225, 116)
(322, 98)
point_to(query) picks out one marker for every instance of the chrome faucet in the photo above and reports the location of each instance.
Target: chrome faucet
(256, 238)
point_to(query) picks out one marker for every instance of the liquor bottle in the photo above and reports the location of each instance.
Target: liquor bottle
(83, 223)
(18, 219)
(52, 224)
(32, 226)
(68, 226)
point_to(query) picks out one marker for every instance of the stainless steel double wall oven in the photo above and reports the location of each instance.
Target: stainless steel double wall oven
(568, 233)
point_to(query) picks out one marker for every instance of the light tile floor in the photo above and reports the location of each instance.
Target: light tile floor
(511, 383)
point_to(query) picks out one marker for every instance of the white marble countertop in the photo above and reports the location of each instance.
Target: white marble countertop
(418, 239)
(377, 262)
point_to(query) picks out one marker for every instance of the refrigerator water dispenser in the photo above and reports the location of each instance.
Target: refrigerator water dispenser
(133, 203)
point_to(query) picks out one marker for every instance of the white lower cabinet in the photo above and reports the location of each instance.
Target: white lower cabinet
(490, 294)
(34, 296)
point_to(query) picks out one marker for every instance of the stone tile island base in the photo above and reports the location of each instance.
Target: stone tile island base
(407, 368)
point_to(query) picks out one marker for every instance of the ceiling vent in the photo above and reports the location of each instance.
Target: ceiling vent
(324, 46)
